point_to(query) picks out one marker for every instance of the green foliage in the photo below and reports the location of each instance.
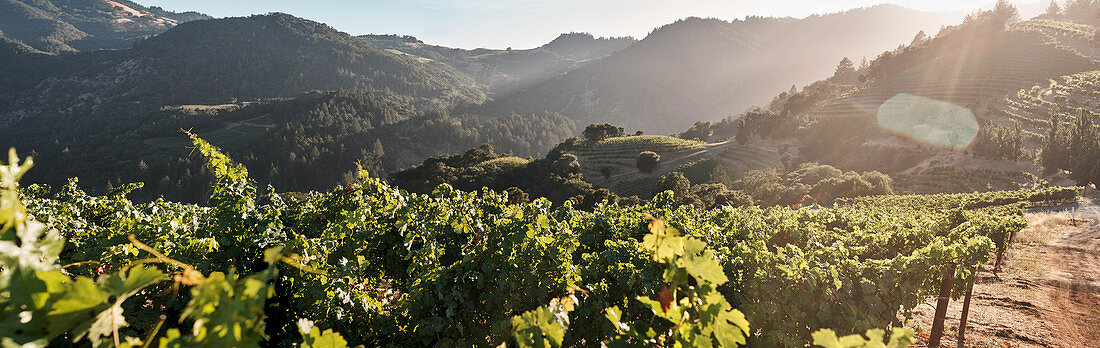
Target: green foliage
(597, 132)
(647, 161)
(41, 303)
(1075, 149)
(543, 326)
(700, 316)
(811, 183)
(321, 136)
(314, 338)
(556, 177)
(384, 266)
(899, 338)
(999, 142)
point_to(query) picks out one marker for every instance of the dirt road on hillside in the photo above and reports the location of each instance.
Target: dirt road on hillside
(1047, 293)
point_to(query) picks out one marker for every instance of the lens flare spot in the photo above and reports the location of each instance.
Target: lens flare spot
(929, 121)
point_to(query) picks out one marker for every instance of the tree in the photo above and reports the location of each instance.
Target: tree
(675, 182)
(517, 196)
(1053, 11)
(648, 161)
(1054, 147)
(597, 132)
(1080, 10)
(845, 72)
(1084, 150)
(1004, 13)
(921, 36)
(607, 172)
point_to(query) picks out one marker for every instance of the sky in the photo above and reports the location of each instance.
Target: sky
(527, 23)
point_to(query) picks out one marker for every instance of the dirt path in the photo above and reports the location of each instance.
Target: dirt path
(1047, 293)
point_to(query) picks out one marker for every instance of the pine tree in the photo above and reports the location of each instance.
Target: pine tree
(1053, 11)
(1054, 148)
(921, 36)
(1084, 150)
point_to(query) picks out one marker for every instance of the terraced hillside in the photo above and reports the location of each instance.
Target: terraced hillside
(1076, 35)
(1032, 106)
(611, 163)
(975, 75)
(620, 154)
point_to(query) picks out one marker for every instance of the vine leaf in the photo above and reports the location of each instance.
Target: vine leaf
(111, 291)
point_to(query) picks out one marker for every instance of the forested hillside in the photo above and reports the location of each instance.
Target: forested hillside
(72, 26)
(893, 113)
(706, 69)
(505, 71)
(116, 110)
(319, 137)
(215, 61)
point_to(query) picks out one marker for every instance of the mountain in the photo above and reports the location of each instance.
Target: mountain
(504, 71)
(307, 142)
(245, 84)
(215, 61)
(81, 25)
(705, 69)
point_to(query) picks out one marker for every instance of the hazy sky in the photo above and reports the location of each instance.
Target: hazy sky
(526, 23)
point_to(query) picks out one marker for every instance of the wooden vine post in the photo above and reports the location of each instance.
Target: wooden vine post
(941, 307)
(966, 307)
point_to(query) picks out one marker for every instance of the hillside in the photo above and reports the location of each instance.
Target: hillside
(975, 68)
(706, 69)
(72, 26)
(302, 143)
(504, 71)
(215, 61)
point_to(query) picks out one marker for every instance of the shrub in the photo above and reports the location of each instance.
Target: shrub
(648, 161)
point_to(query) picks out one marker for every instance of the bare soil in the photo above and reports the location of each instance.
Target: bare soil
(1047, 293)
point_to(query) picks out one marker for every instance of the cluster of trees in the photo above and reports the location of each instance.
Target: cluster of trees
(1082, 11)
(597, 132)
(703, 184)
(1073, 146)
(999, 142)
(702, 196)
(811, 183)
(556, 177)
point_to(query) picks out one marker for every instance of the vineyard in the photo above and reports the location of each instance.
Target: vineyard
(620, 153)
(373, 265)
(1066, 94)
(741, 159)
(1064, 30)
(952, 180)
(612, 162)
